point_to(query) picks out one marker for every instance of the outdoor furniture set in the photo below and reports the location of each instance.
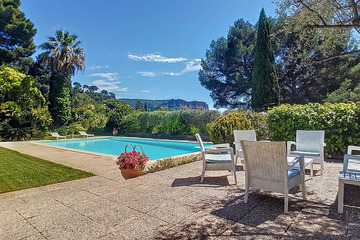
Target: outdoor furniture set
(270, 166)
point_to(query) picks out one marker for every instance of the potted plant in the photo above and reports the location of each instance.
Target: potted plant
(132, 163)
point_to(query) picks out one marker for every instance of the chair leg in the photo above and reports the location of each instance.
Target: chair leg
(202, 175)
(234, 171)
(341, 197)
(286, 201)
(246, 198)
(303, 187)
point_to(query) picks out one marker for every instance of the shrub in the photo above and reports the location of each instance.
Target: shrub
(174, 127)
(159, 129)
(259, 124)
(340, 122)
(177, 122)
(221, 130)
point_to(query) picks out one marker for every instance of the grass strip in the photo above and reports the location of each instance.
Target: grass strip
(20, 171)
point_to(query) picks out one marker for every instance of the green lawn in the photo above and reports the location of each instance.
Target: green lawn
(20, 171)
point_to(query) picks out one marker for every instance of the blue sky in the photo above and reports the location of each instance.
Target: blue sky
(147, 49)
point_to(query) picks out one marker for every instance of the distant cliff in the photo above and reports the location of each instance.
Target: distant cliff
(172, 104)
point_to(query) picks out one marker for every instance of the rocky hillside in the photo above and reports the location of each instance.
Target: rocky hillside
(172, 104)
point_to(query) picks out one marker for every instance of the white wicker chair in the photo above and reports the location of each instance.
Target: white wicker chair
(217, 157)
(239, 135)
(310, 144)
(352, 162)
(266, 168)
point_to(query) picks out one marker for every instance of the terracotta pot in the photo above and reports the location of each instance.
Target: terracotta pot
(126, 173)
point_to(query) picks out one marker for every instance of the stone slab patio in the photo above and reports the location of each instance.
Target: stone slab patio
(170, 204)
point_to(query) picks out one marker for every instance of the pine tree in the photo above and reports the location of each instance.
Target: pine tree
(265, 86)
(16, 36)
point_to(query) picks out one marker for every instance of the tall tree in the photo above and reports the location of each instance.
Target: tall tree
(63, 56)
(265, 85)
(16, 36)
(227, 68)
(336, 16)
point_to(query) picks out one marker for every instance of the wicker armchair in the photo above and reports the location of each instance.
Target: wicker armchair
(248, 135)
(217, 157)
(310, 144)
(266, 168)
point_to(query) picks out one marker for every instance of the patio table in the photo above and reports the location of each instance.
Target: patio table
(352, 178)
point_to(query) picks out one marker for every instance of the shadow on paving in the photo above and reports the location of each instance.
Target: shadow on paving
(195, 181)
(263, 217)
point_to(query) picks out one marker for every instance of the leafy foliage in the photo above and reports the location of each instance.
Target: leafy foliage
(340, 122)
(221, 130)
(265, 86)
(186, 122)
(22, 116)
(16, 36)
(259, 124)
(227, 68)
(117, 111)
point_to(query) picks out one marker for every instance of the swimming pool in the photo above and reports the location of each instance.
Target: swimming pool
(155, 149)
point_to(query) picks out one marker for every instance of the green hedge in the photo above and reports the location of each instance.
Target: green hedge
(340, 122)
(185, 122)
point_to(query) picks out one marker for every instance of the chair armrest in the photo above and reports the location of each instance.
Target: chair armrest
(352, 148)
(288, 146)
(219, 150)
(298, 159)
(218, 146)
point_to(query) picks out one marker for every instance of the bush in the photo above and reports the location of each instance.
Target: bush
(174, 127)
(221, 130)
(184, 122)
(259, 124)
(159, 129)
(340, 122)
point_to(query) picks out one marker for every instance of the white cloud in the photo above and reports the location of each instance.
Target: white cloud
(109, 86)
(147, 74)
(145, 91)
(109, 76)
(99, 67)
(191, 66)
(108, 82)
(155, 58)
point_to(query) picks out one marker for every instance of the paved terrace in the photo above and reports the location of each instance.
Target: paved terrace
(170, 204)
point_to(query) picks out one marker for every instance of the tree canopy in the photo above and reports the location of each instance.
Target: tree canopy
(331, 17)
(16, 36)
(227, 67)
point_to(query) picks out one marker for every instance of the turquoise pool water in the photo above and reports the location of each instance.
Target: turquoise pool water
(155, 149)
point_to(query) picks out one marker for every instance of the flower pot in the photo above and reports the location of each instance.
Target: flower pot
(126, 173)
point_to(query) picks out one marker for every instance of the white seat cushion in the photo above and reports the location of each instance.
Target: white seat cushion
(218, 158)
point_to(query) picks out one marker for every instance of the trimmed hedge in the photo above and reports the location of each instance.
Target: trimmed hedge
(176, 122)
(340, 122)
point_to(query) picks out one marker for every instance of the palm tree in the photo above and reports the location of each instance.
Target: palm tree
(63, 56)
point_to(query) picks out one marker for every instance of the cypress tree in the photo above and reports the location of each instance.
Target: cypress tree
(265, 86)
